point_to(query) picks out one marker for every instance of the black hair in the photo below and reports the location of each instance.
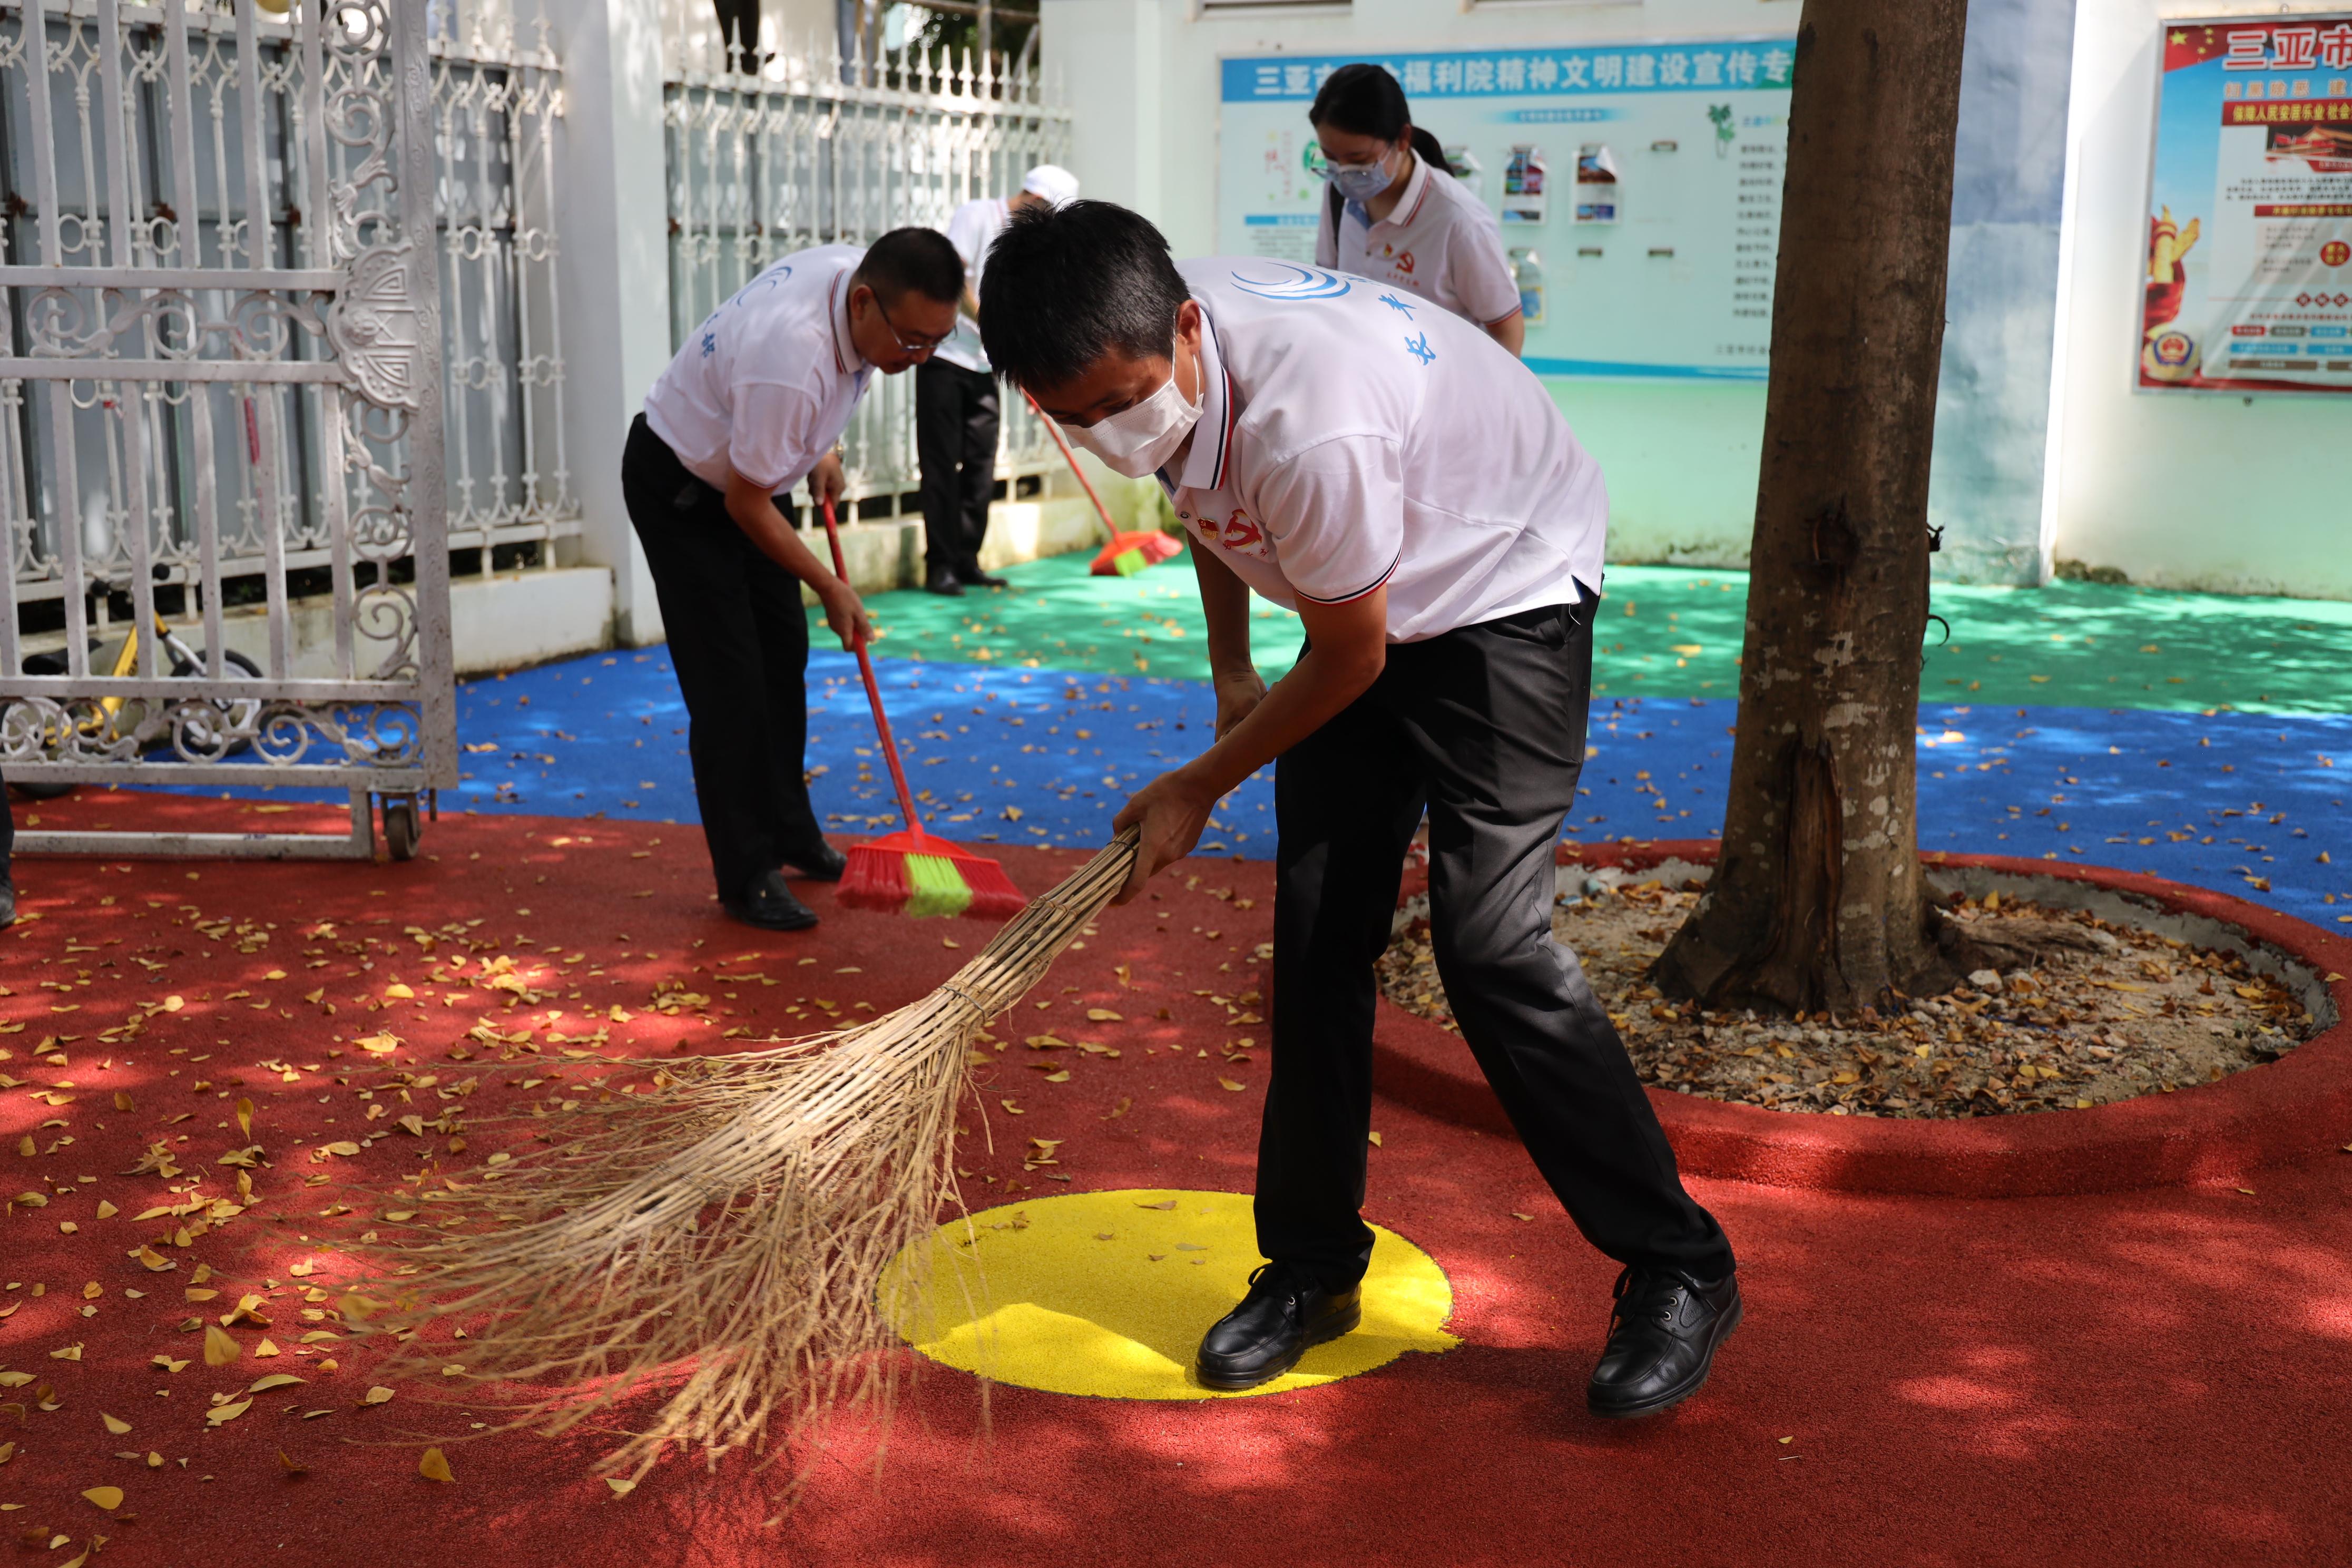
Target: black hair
(917, 260)
(1364, 99)
(1064, 286)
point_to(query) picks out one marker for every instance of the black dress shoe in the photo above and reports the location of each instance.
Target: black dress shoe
(1283, 1315)
(770, 905)
(940, 583)
(8, 900)
(822, 864)
(1662, 1340)
(976, 578)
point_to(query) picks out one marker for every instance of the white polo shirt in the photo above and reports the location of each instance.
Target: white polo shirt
(1355, 435)
(973, 229)
(1441, 242)
(765, 386)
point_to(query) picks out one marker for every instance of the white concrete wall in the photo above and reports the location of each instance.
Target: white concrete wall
(1681, 456)
(612, 272)
(2222, 492)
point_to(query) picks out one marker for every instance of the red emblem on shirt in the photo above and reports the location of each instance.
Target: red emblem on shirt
(1242, 536)
(1404, 261)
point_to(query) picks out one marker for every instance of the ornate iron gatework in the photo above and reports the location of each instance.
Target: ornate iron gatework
(223, 340)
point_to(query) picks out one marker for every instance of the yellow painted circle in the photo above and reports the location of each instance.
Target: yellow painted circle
(1107, 1294)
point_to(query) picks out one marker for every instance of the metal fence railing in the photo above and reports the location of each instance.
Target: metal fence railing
(816, 148)
(220, 374)
(496, 95)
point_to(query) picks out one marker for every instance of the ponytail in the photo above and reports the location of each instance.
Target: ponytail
(1431, 152)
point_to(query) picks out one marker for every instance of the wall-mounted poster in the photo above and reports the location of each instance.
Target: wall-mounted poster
(2247, 281)
(1637, 187)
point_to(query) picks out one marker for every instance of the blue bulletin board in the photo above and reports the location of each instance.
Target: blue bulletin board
(1665, 270)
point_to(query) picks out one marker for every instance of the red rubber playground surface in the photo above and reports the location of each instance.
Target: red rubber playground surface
(2154, 1376)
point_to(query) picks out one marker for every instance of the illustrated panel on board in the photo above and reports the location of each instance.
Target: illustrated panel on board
(2248, 277)
(1637, 187)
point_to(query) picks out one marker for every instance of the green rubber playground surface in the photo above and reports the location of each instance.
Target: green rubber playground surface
(1674, 632)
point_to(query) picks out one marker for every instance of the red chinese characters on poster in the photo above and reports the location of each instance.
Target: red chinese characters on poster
(2248, 277)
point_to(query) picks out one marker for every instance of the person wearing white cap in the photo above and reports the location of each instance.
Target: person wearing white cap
(956, 411)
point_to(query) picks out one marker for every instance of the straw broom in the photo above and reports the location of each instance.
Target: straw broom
(726, 1235)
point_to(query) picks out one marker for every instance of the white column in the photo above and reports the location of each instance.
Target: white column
(612, 209)
(1106, 56)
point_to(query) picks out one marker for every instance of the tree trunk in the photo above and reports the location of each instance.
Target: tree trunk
(1818, 902)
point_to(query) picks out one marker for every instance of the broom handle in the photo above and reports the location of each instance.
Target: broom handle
(873, 688)
(1054, 430)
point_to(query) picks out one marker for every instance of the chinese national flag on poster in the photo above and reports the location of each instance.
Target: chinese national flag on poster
(2247, 274)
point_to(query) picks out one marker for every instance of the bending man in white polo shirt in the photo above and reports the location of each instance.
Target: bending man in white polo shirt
(1382, 467)
(756, 401)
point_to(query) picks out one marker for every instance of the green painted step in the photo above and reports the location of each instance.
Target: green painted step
(1676, 632)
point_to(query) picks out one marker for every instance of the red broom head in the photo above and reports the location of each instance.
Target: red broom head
(879, 877)
(1127, 553)
(994, 896)
(875, 877)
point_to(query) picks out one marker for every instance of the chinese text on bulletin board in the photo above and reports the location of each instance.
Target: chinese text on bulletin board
(1637, 187)
(2247, 281)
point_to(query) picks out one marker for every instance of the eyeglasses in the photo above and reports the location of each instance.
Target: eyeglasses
(916, 346)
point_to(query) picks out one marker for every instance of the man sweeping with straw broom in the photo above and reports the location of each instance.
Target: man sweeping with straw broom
(1384, 469)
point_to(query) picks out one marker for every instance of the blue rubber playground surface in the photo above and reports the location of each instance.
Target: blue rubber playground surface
(1010, 739)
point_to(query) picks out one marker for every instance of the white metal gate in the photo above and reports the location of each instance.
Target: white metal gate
(816, 148)
(222, 339)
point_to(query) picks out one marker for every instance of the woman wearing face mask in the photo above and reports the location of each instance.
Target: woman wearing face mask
(1396, 215)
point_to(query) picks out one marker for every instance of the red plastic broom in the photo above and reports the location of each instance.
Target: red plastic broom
(912, 873)
(1127, 553)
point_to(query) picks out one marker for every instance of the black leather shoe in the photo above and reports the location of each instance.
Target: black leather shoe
(951, 586)
(770, 905)
(822, 864)
(8, 900)
(1662, 1340)
(976, 578)
(1283, 1315)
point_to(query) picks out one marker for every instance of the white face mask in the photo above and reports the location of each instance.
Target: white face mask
(1137, 441)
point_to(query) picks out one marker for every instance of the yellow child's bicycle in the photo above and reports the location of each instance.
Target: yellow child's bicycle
(115, 718)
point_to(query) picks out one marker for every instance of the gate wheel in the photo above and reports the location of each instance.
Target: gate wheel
(400, 826)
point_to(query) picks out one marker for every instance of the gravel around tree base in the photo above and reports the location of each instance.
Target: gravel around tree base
(2105, 1012)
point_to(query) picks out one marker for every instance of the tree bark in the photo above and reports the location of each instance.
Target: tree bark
(1818, 902)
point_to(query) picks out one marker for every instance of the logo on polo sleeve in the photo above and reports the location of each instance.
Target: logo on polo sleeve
(1302, 283)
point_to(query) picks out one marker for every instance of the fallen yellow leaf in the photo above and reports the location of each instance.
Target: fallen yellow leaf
(219, 1349)
(107, 1210)
(113, 1424)
(435, 1465)
(377, 1395)
(1101, 1016)
(620, 1488)
(245, 1116)
(229, 1412)
(107, 1498)
(275, 1380)
(1228, 1083)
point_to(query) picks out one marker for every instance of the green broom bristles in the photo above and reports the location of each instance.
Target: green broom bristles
(938, 888)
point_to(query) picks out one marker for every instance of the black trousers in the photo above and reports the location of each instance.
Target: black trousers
(1484, 726)
(739, 641)
(955, 438)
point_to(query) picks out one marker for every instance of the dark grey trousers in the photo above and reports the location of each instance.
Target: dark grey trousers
(739, 641)
(956, 417)
(1485, 727)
